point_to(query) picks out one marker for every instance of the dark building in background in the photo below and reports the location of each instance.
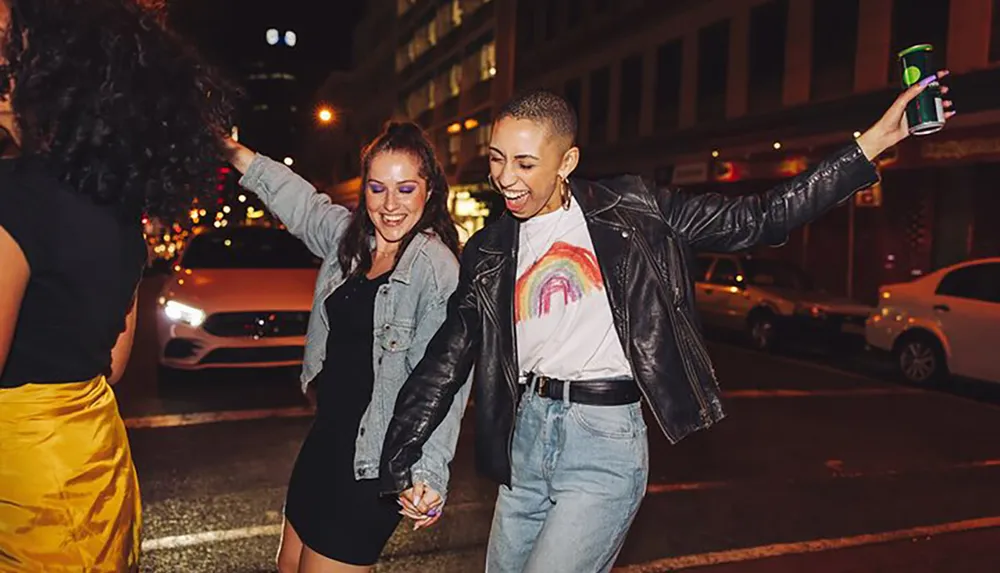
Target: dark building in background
(736, 95)
(273, 116)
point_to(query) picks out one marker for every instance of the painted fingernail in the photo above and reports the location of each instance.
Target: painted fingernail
(432, 513)
(928, 81)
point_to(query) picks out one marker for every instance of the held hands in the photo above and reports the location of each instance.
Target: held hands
(892, 128)
(421, 504)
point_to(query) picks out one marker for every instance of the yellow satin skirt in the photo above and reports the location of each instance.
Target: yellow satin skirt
(69, 495)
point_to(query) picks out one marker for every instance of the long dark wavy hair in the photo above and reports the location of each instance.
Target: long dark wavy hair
(112, 103)
(355, 254)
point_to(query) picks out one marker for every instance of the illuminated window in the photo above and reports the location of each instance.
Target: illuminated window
(456, 12)
(483, 140)
(455, 80)
(487, 62)
(454, 148)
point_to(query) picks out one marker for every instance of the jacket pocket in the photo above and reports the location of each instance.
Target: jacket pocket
(396, 337)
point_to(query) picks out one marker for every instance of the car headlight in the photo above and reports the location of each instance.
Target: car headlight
(179, 312)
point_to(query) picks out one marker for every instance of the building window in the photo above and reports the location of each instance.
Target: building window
(630, 102)
(455, 79)
(713, 70)
(669, 60)
(454, 148)
(768, 32)
(483, 139)
(995, 33)
(600, 97)
(487, 61)
(403, 6)
(574, 94)
(928, 25)
(834, 48)
(456, 13)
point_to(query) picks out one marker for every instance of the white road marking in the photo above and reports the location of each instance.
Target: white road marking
(805, 547)
(206, 537)
(193, 419)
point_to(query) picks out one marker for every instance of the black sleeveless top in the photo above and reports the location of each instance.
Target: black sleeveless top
(85, 266)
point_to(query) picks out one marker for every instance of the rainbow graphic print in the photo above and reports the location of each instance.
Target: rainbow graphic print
(564, 270)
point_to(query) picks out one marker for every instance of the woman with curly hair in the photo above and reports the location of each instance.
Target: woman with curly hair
(108, 115)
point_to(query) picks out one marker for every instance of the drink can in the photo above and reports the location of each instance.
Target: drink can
(925, 114)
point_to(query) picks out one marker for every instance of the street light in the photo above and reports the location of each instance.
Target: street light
(325, 115)
(289, 161)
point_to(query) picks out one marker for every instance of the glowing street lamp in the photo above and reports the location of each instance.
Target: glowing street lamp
(325, 115)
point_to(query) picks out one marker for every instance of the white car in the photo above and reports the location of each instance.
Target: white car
(238, 297)
(947, 322)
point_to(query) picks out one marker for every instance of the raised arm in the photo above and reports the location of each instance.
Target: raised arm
(715, 222)
(309, 215)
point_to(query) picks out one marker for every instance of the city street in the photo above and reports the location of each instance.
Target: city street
(823, 465)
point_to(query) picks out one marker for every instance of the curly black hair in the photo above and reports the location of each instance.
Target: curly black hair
(114, 104)
(355, 255)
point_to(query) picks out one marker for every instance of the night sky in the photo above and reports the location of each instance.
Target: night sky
(231, 31)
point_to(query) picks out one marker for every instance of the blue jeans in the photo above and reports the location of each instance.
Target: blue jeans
(578, 476)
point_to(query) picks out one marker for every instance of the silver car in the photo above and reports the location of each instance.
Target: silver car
(770, 300)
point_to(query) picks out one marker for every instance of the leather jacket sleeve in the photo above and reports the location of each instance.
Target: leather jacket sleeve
(715, 222)
(428, 393)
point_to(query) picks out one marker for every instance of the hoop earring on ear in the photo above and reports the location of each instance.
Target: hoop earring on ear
(567, 195)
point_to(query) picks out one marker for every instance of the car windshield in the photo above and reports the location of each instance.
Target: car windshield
(777, 274)
(248, 248)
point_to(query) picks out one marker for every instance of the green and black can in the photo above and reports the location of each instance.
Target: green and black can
(925, 114)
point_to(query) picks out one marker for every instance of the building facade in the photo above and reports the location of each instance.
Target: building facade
(735, 96)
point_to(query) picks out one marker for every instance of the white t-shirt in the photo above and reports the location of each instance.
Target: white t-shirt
(561, 309)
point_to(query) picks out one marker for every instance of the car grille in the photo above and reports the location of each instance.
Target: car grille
(261, 324)
(254, 355)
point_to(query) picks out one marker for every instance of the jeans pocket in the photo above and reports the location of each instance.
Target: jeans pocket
(618, 422)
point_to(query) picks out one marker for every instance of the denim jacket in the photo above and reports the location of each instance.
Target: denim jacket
(408, 311)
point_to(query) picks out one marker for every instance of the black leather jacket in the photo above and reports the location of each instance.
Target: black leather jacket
(643, 240)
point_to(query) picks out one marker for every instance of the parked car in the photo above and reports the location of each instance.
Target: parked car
(237, 297)
(770, 300)
(946, 322)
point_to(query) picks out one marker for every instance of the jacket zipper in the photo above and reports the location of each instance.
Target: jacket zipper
(692, 342)
(512, 387)
(692, 377)
(642, 387)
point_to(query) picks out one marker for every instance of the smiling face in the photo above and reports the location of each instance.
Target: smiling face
(528, 163)
(395, 195)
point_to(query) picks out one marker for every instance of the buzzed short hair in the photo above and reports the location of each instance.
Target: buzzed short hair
(543, 107)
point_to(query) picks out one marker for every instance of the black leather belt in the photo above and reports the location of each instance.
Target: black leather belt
(590, 392)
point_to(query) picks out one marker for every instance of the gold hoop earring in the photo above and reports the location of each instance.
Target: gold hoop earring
(567, 195)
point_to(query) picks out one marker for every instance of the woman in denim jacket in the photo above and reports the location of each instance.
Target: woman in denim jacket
(388, 270)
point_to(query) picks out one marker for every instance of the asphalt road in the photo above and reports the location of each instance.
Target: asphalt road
(823, 465)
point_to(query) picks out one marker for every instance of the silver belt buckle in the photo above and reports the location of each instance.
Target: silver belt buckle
(542, 385)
